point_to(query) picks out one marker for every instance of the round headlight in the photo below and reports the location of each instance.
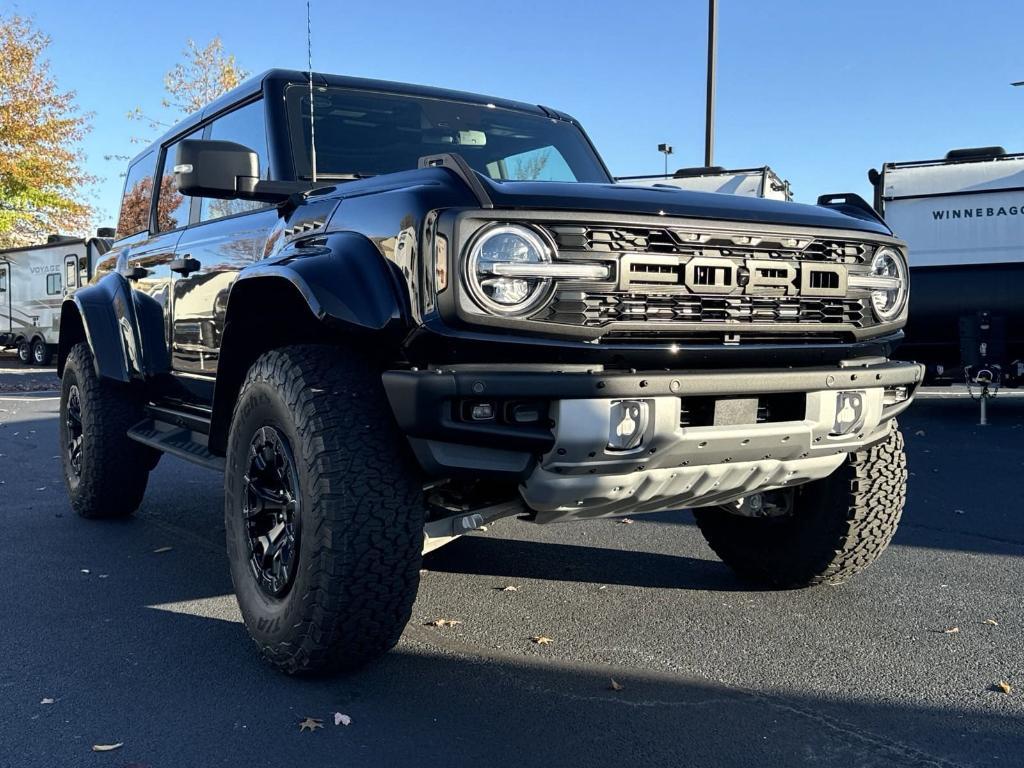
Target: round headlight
(508, 294)
(890, 300)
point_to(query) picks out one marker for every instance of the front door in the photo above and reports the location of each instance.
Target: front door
(220, 248)
(225, 237)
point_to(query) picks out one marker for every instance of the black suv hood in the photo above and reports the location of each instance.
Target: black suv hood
(669, 201)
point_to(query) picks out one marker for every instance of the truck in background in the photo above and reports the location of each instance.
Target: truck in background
(963, 219)
(746, 182)
(34, 280)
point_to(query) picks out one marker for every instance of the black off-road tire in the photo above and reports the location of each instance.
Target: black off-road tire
(42, 354)
(837, 528)
(114, 468)
(360, 510)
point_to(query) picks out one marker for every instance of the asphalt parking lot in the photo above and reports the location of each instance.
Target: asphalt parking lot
(142, 645)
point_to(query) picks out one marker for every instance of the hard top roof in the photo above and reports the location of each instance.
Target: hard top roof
(254, 86)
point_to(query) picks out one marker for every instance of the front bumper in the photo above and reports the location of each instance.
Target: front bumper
(567, 468)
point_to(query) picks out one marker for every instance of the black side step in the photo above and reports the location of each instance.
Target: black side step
(182, 442)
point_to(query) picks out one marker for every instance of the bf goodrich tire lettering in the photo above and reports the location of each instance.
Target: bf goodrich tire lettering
(361, 507)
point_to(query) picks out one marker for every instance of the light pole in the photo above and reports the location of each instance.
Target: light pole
(709, 126)
(665, 149)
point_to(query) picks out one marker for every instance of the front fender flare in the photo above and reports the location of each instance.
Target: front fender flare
(123, 327)
(344, 279)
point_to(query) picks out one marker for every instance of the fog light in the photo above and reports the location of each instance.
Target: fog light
(894, 395)
(482, 411)
(627, 424)
(525, 413)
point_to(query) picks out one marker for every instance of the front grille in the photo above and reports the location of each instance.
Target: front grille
(694, 281)
(595, 310)
(691, 242)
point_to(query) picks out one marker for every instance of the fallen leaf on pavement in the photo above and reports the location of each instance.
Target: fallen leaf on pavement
(1004, 686)
(625, 521)
(482, 528)
(310, 724)
(340, 719)
(107, 747)
(951, 630)
(85, 570)
(443, 623)
(993, 622)
(920, 433)
(47, 701)
(542, 640)
(509, 588)
(615, 686)
(161, 550)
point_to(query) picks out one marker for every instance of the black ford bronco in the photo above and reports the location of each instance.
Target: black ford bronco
(389, 314)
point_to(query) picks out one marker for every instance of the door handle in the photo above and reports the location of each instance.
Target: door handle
(185, 265)
(137, 273)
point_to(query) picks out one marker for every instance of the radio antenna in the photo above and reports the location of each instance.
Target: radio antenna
(309, 61)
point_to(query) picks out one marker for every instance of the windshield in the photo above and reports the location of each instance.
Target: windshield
(363, 133)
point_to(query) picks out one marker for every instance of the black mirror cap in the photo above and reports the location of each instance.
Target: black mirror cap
(220, 169)
(106, 232)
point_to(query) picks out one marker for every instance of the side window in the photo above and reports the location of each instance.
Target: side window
(3, 279)
(53, 284)
(83, 270)
(138, 193)
(70, 269)
(245, 126)
(172, 207)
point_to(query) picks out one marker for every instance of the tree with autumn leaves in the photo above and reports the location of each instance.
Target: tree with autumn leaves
(42, 175)
(205, 74)
(43, 181)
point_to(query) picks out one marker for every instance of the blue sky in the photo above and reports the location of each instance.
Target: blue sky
(821, 90)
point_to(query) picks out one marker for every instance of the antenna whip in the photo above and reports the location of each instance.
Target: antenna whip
(309, 60)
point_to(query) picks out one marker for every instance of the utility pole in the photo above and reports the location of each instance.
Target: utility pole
(709, 127)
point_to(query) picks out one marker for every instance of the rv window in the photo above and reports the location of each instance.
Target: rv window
(138, 192)
(245, 126)
(3, 280)
(83, 270)
(172, 207)
(69, 272)
(53, 283)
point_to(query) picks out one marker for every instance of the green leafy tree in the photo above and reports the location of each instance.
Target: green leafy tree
(42, 176)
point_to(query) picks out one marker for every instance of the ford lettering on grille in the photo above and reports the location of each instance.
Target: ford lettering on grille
(717, 275)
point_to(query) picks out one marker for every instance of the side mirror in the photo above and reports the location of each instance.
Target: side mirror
(221, 169)
(228, 171)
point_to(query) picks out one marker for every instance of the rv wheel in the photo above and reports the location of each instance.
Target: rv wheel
(41, 353)
(25, 352)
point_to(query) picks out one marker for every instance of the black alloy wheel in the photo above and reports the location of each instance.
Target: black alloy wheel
(74, 435)
(270, 503)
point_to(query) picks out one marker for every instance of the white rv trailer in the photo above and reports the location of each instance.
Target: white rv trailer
(963, 220)
(33, 282)
(747, 182)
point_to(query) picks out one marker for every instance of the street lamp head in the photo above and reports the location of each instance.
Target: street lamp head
(665, 148)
